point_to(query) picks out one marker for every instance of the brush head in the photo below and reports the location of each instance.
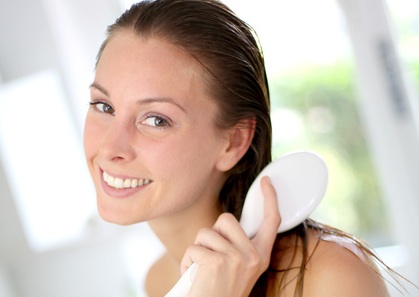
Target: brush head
(300, 181)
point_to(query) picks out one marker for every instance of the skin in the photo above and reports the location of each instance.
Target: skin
(151, 118)
(336, 268)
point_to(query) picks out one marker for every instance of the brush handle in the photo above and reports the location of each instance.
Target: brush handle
(184, 284)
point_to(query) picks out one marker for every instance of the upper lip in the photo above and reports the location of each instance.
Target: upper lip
(118, 175)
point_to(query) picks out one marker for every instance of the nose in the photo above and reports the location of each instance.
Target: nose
(117, 144)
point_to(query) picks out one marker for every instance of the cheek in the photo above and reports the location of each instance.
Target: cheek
(196, 151)
(189, 163)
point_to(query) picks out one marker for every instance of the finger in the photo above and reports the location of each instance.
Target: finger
(264, 239)
(229, 228)
(207, 242)
(193, 254)
(212, 240)
(227, 237)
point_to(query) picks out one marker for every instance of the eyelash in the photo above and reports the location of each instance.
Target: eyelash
(166, 122)
(95, 104)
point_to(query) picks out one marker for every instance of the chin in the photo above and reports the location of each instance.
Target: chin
(117, 217)
(117, 221)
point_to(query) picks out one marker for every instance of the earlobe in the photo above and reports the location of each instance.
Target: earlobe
(239, 140)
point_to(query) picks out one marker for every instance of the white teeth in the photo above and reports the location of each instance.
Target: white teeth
(127, 183)
(134, 183)
(120, 183)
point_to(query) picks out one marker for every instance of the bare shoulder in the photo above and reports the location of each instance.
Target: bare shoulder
(160, 277)
(335, 268)
(342, 269)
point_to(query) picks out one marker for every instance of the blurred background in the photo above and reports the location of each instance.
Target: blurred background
(344, 81)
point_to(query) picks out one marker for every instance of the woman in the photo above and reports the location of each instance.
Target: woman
(178, 129)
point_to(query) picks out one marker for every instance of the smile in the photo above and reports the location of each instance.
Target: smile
(119, 183)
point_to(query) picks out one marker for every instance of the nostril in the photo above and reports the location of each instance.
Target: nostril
(117, 158)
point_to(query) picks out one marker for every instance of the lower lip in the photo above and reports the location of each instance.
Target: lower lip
(120, 193)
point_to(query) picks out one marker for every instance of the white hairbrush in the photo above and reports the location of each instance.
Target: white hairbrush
(300, 181)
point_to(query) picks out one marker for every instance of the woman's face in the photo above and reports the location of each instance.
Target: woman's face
(150, 140)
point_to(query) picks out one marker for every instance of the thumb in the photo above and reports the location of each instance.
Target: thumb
(265, 238)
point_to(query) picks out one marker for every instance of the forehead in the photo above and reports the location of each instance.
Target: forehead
(129, 59)
(138, 56)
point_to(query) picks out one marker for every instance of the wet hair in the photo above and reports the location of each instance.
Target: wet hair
(228, 52)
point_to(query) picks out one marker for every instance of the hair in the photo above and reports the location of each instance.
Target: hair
(228, 51)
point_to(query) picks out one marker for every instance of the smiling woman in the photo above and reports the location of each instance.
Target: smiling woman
(313, 107)
(177, 130)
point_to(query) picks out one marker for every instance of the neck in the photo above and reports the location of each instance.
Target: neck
(178, 231)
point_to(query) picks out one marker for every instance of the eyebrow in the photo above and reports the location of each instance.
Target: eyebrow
(144, 101)
(99, 87)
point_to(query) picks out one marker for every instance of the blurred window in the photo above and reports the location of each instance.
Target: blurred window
(405, 14)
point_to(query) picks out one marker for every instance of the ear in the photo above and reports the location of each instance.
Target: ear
(239, 139)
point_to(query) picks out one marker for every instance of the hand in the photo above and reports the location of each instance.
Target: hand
(229, 262)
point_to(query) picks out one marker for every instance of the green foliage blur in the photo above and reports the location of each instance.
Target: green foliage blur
(323, 98)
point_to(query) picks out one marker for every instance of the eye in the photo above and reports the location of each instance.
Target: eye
(102, 107)
(156, 121)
